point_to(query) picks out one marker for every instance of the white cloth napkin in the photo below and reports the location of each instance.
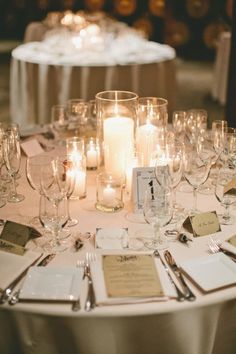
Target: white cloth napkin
(100, 288)
(12, 265)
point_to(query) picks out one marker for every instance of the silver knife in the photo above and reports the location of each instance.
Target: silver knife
(15, 297)
(170, 260)
(8, 291)
(180, 296)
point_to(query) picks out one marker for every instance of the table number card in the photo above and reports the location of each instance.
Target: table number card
(202, 224)
(142, 178)
(131, 275)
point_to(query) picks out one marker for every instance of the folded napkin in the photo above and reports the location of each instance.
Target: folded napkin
(52, 283)
(100, 289)
(12, 265)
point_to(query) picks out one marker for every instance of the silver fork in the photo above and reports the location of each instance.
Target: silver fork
(90, 301)
(215, 247)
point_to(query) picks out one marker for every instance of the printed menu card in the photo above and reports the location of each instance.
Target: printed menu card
(131, 275)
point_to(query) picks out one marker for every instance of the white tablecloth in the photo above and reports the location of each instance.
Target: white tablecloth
(40, 77)
(206, 326)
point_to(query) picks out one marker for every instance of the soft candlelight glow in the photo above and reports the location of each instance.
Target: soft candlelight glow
(109, 195)
(92, 154)
(118, 144)
(147, 137)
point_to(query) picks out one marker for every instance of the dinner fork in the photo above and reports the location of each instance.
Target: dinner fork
(215, 247)
(90, 302)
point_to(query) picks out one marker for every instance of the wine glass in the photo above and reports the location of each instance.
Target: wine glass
(54, 217)
(179, 123)
(65, 176)
(34, 165)
(196, 124)
(59, 121)
(158, 211)
(225, 193)
(196, 172)
(76, 110)
(12, 158)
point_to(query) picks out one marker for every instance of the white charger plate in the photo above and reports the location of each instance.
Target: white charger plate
(62, 284)
(211, 272)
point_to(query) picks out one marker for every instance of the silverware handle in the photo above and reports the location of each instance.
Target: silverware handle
(76, 305)
(189, 294)
(90, 299)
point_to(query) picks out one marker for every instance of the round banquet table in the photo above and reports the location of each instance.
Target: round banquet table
(42, 76)
(206, 326)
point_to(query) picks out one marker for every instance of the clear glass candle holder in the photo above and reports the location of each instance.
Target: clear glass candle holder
(109, 193)
(92, 153)
(117, 114)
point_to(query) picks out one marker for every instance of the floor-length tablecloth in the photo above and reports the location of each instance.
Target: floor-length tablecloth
(206, 326)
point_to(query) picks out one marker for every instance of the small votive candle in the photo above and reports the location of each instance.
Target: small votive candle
(92, 154)
(109, 193)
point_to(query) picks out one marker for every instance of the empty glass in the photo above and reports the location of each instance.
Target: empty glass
(59, 122)
(157, 211)
(54, 217)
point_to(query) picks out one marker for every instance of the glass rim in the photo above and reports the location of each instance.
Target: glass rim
(101, 96)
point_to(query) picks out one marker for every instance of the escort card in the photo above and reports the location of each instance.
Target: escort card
(131, 275)
(32, 148)
(230, 187)
(202, 224)
(18, 234)
(11, 247)
(143, 178)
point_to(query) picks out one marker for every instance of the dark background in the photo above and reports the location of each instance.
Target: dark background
(192, 27)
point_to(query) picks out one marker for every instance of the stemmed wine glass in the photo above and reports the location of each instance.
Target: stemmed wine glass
(77, 110)
(34, 165)
(57, 183)
(196, 172)
(158, 211)
(53, 217)
(12, 158)
(59, 121)
(225, 193)
(65, 176)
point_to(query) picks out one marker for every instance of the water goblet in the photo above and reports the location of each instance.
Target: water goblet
(59, 121)
(54, 217)
(225, 194)
(196, 172)
(34, 165)
(157, 211)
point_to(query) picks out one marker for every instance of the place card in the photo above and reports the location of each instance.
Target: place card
(202, 224)
(232, 240)
(11, 247)
(18, 234)
(143, 178)
(131, 275)
(111, 238)
(32, 147)
(230, 187)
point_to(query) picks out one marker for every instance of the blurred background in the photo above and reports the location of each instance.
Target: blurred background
(192, 27)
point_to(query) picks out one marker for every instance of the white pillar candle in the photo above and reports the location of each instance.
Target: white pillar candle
(147, 137)
(109, 195)
(80, 184)
(118, 144)
(92, 158)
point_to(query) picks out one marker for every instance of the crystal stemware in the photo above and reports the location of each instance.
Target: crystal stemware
(54, 217)
(225, 193)
(196, 172)
(158, 211)
(12, 158)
